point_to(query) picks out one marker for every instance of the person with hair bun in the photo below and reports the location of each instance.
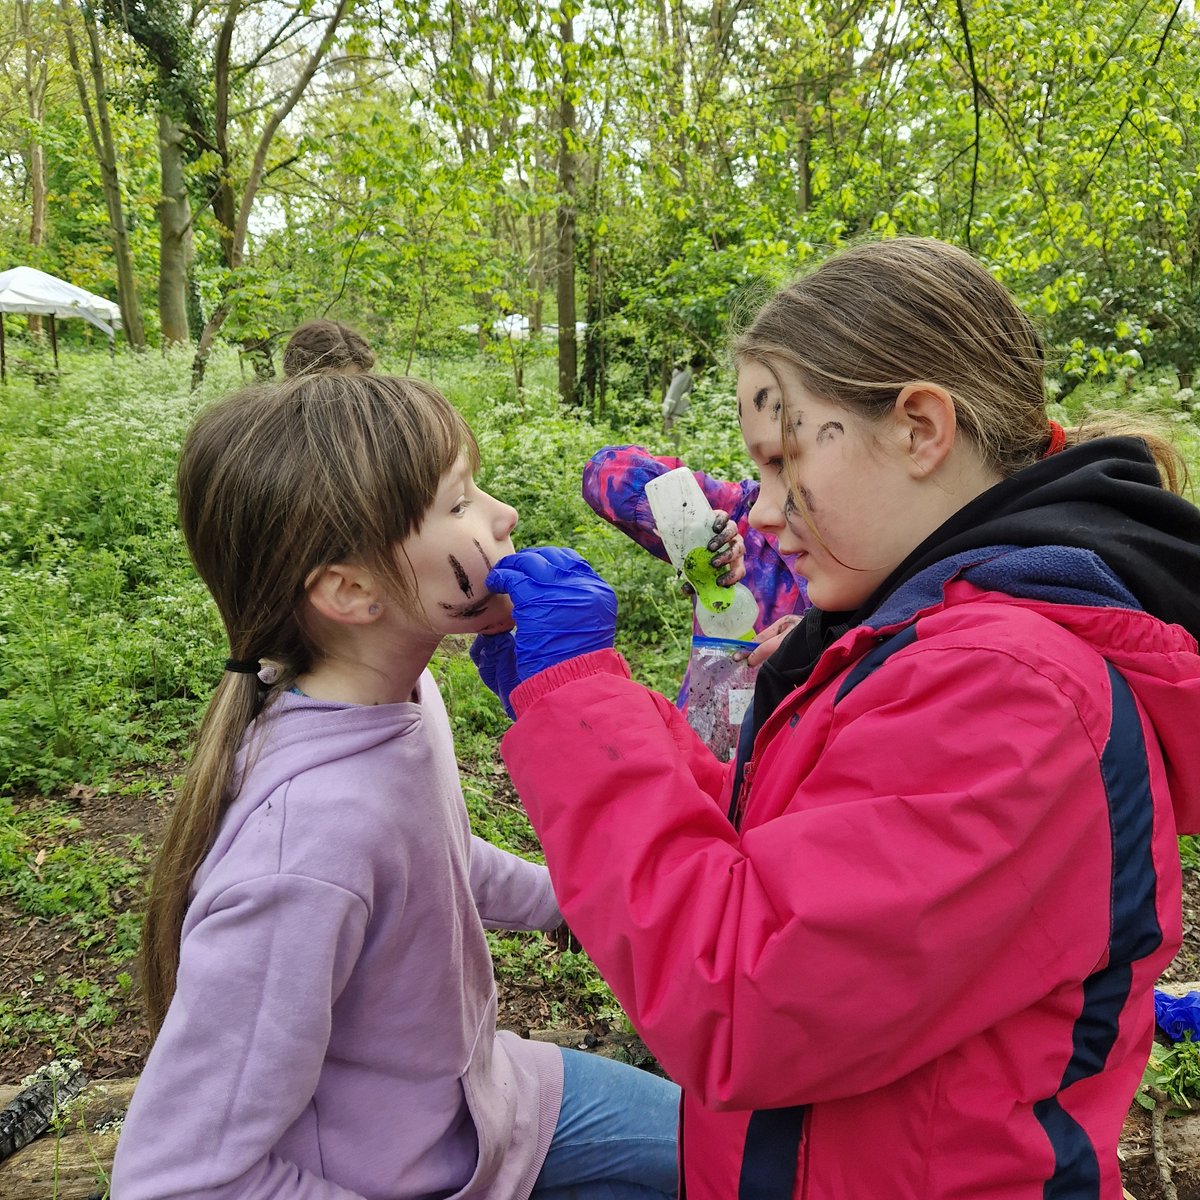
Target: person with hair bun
(314, 962)
(325, 345)
(905, 946)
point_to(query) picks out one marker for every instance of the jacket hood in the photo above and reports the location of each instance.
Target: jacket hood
(1078, 591)
(1104, 496)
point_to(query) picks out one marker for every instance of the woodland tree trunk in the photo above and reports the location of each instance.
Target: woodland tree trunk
(100, 132)
(233, 210)
(567, 349)
(174, 234)
(36, 74)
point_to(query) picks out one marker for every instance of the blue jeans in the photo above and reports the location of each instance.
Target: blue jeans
(615, 1138)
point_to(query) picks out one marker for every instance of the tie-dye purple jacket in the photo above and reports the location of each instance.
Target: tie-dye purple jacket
(614, 485)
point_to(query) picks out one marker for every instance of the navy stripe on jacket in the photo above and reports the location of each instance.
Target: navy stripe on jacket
(1135, 933)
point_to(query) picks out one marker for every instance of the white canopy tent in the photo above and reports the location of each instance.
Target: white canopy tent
(27, 290)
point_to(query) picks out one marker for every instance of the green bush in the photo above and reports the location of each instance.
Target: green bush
(109, 644)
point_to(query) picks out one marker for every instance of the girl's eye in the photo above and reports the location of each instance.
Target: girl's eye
(460, 508)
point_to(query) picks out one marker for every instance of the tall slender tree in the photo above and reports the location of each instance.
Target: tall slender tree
(93, 99)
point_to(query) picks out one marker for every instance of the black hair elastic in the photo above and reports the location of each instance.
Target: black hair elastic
(243, 666)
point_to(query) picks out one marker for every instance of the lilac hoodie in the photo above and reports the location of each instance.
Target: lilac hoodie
(333, 1032)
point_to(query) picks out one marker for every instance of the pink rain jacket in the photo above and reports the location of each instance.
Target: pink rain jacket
(919, 964)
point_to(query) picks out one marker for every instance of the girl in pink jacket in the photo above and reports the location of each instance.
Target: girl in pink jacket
(905, 947)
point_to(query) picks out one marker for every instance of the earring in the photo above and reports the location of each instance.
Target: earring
(373, 610)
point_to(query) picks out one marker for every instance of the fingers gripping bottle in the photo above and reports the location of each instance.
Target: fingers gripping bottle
(684, 519)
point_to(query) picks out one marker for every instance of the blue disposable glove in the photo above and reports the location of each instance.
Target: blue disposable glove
(561, 606)
(1177, 1015)
(495, 658)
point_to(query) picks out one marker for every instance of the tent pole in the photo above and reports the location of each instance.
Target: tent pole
(54, 341)
(3, 365)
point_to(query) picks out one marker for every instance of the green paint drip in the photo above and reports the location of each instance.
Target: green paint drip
(702, 575)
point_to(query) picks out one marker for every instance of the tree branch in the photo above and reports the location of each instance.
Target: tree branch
(268, 133)
(966, 31)
(1162, 42)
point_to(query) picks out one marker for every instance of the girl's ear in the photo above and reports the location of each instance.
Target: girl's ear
(927, 423)
(343, 593)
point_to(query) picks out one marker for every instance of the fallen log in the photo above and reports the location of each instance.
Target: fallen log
(33, 1109)
(73, 1160)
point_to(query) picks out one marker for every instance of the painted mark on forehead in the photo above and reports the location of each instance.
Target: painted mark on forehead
(464, 582)
(760, 398)
(829, 431)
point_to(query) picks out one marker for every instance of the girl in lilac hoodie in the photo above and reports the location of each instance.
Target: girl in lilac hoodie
(314, 961)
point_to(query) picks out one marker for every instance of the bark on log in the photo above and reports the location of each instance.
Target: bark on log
(74, 1163)
(31, 1111)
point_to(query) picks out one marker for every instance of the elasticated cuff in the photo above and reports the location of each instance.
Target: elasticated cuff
(598, 662)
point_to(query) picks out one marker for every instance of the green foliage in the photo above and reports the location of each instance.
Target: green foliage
(108, 638)
(48, 872)
(528, 958)
(1189, 853)
(1173, 1071)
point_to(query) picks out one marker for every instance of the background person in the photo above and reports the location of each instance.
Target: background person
(325, 345)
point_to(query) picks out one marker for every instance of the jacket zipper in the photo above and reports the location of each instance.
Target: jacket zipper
(744, 793)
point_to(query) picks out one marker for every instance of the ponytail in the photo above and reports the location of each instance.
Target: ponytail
(201, 802)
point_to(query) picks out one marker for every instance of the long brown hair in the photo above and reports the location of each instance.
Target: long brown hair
(880, 315)
(275, 482)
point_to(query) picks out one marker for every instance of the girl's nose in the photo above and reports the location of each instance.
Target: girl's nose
(506, 522)
(766, 515)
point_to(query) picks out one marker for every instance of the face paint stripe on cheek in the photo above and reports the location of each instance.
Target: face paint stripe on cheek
(465, 612)
(487, 562)
(828, 430)
(464, 583)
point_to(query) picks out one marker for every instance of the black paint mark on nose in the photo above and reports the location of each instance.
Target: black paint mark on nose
(464, 583)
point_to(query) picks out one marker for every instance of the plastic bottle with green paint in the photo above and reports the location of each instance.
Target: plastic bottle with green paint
(684, 520)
